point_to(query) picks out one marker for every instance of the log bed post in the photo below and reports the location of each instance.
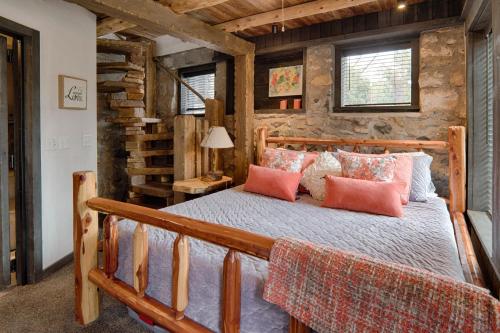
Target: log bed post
(140, 259)
(110, 246)
(180, 277)
(457, 168)
(85, 234)
(261, 144)
(231, 297)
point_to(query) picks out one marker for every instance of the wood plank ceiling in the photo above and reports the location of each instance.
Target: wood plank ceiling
(227, 14)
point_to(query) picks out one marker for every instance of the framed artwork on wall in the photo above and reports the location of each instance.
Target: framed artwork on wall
(72, 93)
(285, 81)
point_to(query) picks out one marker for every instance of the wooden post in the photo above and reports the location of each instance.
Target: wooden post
(262, 134)
(184, 151)
(295, 326)
(202, 160)
(214, 112)
(150, 79)
(141, 259)
(110, 245)
(457, 168)
(180, 276)
(231, 293)
(243, 116)
(85, 233)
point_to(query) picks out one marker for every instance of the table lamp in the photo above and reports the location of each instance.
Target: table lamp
(216, 138)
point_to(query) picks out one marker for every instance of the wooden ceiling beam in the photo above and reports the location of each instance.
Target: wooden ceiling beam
(185, 6)
(154, 16)
(111, 25)
(291, 13)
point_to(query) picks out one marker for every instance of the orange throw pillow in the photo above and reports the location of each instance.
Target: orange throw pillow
(368, 196)
(273, 182)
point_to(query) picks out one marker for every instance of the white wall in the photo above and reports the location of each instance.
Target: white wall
(68, 46)
(167, 44)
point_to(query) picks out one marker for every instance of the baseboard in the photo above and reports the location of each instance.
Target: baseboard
(57, 265)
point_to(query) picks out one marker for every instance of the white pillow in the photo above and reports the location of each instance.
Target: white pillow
(314, 176)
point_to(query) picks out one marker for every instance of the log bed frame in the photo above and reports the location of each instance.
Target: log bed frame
(89, 275)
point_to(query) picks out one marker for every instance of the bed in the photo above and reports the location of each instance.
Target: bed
(194, 286)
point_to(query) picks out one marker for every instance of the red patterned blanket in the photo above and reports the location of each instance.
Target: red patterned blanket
(336, 291)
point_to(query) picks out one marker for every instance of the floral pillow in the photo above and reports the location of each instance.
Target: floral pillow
(375, 168)
(283, 159)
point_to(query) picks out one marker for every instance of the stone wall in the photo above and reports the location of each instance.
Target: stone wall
(442, 101)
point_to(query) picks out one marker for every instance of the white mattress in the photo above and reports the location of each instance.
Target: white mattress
(423, 238)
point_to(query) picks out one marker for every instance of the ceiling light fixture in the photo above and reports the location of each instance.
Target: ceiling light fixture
(401, 5)
(282, 15)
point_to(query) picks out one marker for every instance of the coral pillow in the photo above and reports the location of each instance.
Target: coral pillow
(273, 182)
(360, 195)
(403, 170)
(309, 159)
(283, 159)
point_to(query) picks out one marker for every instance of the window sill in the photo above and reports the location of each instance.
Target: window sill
(376, 109)
(481, 222)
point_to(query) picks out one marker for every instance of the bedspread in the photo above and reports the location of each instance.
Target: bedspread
(423, 238)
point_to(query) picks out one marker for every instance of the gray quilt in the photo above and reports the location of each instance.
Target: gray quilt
(424, 238)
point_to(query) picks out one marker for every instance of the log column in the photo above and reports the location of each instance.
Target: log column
(262, 134)
(85, 239)
(243, 116)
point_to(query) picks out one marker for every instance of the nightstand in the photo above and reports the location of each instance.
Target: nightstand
(198, 187)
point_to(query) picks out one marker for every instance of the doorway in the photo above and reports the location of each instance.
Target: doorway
(20, 210)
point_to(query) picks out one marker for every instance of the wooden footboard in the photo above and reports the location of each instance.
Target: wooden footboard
(89, 276)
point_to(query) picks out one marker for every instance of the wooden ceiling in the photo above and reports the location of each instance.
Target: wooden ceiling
(248, 18)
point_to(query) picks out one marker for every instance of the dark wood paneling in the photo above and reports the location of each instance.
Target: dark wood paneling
(420, 12)
(4, 170)
(261, 81)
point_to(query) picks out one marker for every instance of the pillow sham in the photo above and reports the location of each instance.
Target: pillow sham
(283, 159)
(422, 186)
(314, 176)
(382, 198)
(309, 158)
(272, 182)
(366, 166)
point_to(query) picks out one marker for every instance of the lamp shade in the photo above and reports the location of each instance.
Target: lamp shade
(217, 137)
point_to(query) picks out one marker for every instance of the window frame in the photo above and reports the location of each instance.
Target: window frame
(341, 51)
(193, 71)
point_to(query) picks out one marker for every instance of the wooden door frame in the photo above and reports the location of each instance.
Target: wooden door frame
(28, 164)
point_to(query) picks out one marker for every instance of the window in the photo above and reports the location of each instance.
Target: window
(201, 79)
(377, 78)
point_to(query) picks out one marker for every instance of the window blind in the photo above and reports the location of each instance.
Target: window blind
(376, 78)
(203, 84)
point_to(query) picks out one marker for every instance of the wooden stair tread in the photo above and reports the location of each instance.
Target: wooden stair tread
(121, 120)
(154, 189)
(117, 67)
(150, 137)
(150, 171)
(152, 152)
(112, 46)
(115, 86)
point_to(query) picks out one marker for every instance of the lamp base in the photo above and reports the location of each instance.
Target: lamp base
(213, 176)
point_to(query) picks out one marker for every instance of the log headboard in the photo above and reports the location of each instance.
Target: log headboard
(455, 147)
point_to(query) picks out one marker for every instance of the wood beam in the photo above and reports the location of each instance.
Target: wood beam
(111, 25)
(154, 16)
(185, 6)
(290, 13)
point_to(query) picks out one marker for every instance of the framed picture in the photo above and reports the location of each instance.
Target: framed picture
(72, 93)
(285, 81)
